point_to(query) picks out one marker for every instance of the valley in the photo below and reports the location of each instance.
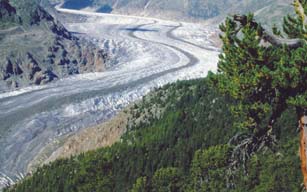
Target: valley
(145, 53)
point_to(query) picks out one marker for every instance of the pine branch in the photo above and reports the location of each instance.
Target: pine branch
(277, 41)
(267, 37)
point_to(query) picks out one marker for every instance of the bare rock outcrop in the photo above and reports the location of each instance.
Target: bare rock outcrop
(36, 49)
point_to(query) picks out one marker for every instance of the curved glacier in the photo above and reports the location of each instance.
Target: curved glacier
(146, 54)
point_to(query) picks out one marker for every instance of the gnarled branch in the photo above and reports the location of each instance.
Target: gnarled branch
(272, 39)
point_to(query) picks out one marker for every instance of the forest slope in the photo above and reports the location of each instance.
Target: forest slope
(181, 143)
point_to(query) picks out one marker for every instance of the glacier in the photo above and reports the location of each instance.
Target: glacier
(146, 53)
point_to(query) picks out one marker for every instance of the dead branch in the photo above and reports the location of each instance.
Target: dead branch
(272, 39)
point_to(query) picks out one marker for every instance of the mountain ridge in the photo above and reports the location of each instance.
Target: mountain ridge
(180, 9)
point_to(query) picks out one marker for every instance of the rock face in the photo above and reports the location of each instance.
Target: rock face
(36, 49)
(6, 10)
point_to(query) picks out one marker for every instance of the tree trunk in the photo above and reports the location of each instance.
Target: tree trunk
(303, 142)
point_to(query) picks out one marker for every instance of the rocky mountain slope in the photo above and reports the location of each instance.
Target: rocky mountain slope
(36, 49)
(182, 9)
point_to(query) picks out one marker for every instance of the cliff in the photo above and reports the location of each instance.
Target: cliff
(36, 49)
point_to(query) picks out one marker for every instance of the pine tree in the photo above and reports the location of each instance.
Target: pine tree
(266, 74)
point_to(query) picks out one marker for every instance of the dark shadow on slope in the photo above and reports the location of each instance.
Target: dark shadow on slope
(77, 33)
(135, 29)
